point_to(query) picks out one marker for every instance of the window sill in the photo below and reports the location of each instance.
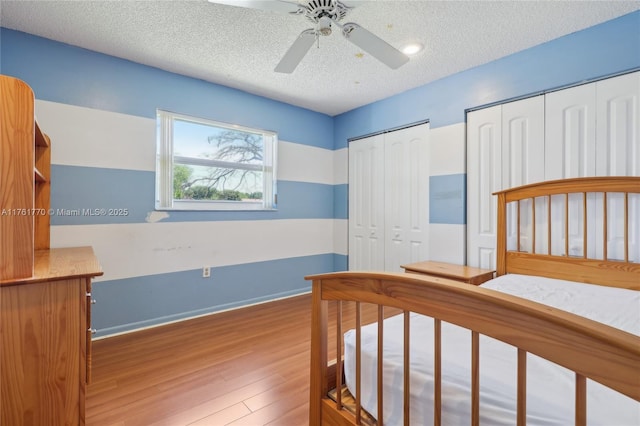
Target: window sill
(217, 206)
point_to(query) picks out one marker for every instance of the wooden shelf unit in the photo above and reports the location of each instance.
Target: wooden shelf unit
(45, 294)
(17, 162)
(42, 193)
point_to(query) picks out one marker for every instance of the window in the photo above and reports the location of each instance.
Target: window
(205, 165)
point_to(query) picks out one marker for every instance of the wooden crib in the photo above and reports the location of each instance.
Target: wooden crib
(583, 230)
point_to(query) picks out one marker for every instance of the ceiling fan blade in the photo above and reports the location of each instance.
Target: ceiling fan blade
(374, 45)
(296, 52)
(284, 6)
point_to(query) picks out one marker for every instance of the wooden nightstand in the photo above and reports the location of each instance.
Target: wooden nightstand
(465, 274)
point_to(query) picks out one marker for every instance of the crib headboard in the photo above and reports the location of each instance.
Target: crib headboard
(582, 229)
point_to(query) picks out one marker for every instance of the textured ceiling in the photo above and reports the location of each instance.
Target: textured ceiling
(239, 47)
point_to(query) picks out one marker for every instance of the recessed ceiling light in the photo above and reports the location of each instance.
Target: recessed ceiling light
(412, 48)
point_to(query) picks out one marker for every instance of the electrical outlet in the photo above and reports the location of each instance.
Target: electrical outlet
(206, 272)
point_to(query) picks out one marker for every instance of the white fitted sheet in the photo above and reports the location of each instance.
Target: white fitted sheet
(550, 388)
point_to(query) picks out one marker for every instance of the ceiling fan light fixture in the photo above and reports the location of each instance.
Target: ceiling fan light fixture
(412, 48)
(324, 26)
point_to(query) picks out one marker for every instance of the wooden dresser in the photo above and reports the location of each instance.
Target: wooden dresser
(45, 294)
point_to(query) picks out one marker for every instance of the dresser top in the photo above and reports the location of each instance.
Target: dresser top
(447, 270)
(59, 264)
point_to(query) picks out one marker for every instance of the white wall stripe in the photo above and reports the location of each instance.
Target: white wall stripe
(447, 243)
(94, 138)
(340, 236)
(132, 250)
(448, 150)
(303, 163)
(341, 166)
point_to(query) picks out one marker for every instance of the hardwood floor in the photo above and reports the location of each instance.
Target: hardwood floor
(248, 366)
(243, 367)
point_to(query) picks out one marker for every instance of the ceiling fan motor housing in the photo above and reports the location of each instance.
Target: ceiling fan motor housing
(334, 10)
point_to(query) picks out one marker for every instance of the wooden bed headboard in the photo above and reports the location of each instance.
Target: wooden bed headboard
(581, 229)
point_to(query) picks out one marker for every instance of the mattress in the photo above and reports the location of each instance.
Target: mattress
(550, 388)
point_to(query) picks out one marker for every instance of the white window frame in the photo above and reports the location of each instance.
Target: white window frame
(165, 161)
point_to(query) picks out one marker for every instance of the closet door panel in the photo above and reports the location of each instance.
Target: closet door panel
(366, 204)
(618, 147)
(396, 193)
(522, 160)
(570, 133)
(418, 202)
(505, 148)
(523, 142)
(618, 150)
(406, 196)
(570, 151)
(484, 176)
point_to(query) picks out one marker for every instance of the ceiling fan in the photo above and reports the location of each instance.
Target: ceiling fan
(323, 14)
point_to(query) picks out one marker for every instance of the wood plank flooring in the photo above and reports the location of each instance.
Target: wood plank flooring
(244, 367)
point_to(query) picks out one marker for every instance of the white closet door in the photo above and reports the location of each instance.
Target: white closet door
(484, 176)
(366, 204)
(522, 160)
(618, 150)
(570, 151)
(523, 142)
(505, 149)
(589, 130)
(570, 133)
(618, 147)
(406, 196)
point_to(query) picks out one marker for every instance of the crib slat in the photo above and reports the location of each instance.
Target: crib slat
(358, 363)
(533, 225)
(406, 368)
(522, 388)
(475, 378)
(626, 227)
(437, 372)
(549, 224)
(518, 226)
(584, 225)
(380, 370)
(581, 400)
(566, 224)
(604, 227)
(339, 354)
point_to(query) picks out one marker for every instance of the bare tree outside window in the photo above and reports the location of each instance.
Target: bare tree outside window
(220, 183)
(215, 163)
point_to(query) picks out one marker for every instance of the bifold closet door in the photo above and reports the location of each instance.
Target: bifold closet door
(588, 130)
(406, 196)
(366, 204)
(618, 154)
(592, 130)
(389, 199)
(505, 148)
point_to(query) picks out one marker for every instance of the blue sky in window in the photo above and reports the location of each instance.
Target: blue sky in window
(191, 139)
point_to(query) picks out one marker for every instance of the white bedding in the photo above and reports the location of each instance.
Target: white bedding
(550, 388)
